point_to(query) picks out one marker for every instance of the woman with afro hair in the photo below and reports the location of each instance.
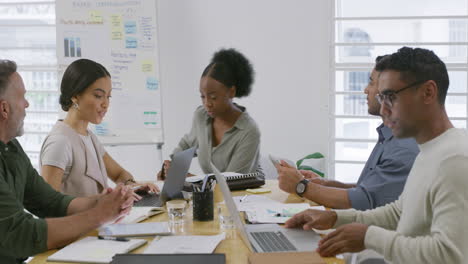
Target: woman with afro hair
(222, 130)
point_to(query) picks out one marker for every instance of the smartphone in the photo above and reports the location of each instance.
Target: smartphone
(276, 161)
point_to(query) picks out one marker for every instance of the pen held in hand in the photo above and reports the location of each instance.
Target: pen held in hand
(136, 187)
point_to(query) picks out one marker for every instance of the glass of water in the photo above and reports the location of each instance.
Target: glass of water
(226, 221)
(176, 211)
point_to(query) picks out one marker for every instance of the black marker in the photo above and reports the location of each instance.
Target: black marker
(121, 239)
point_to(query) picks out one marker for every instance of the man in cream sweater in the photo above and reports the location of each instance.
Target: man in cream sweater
(427, 224)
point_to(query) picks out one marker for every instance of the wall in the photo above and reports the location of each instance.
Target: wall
(286, 41)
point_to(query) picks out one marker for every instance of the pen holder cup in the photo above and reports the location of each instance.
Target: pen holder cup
(203, 206)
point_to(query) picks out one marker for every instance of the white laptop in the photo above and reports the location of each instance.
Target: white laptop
(267, 237)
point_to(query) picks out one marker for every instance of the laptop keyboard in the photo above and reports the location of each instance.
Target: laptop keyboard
(149, 200)
(273, 241)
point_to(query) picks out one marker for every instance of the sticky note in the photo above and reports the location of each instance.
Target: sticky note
(147, 66)
(151, 119)
(130, 27)
(117, 35)
(152, 83)
(258, 190)
(95, 16)
(116, 27)
(131, 43)
(116, 21)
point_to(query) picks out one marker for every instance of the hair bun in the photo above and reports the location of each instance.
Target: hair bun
(231, 67)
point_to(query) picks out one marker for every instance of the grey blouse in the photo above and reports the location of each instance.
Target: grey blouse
(239, 150)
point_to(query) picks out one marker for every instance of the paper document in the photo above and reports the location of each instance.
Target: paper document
(94, 250)
(195, 178)
(184, 244)
(138, 214)
(141, 229)
(278, 214)
(323, 232)
(253, 202)
(160, 185)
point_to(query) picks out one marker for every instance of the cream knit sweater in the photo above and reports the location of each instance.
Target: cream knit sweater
(429, 222)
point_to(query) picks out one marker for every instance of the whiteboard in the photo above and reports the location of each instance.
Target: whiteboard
(122, 36)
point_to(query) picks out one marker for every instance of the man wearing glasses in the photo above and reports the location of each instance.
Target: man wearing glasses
(382, 178)
(427, 224)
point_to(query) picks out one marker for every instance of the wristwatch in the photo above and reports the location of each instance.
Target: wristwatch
(301, 187)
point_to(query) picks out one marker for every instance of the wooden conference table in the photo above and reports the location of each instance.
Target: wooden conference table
(235, 250)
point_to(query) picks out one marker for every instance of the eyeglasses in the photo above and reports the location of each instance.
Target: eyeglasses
(387, 97)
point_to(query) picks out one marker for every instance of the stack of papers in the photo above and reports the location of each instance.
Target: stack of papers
(184, 244)
(142, 229)
(260, 209)
(278, 214)
(253, 202)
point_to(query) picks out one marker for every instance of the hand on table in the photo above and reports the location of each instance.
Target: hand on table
(346, 238)
(312, 218)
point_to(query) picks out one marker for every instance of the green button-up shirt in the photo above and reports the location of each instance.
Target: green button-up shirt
(21, 234)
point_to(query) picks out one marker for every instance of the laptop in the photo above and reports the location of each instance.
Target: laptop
(174, 182)
(169, 258)
(267, 237)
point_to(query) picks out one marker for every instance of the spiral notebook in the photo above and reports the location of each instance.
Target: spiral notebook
(237, 181)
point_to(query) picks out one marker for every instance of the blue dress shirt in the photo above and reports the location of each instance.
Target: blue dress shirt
(384, 175)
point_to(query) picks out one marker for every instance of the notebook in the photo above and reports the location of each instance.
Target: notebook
(140, 229)
(94, 250)
(138, 214)
(236, 181)
(169, 258)
(184, 244)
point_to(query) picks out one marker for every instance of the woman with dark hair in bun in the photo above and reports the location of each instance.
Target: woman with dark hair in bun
(72, 159)
(223, 131)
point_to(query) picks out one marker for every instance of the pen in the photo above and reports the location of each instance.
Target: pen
(284, 214)
(243, 198)
(205, 180)
(213, 185)
(121, 239)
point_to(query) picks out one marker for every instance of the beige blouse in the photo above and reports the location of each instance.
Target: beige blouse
(66, 149)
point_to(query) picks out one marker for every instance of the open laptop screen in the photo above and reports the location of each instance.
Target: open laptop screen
(231, 206)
